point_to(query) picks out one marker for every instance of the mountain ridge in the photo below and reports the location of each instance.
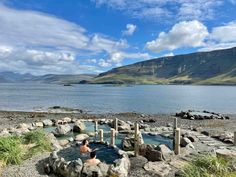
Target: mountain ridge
(216, 67)
(12, 77)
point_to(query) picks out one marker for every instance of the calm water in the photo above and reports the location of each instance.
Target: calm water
(103, 99)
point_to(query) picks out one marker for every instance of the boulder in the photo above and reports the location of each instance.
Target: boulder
(184, 141)
(67, 120)
(39, 124)
(150, 152)
(128, 142)
(75, 168)
(121, 167)
(226, 153)
(63, 142)
(192, 138)
(4, 132)
(20, 131)
(62, 130)
(23, 126)
(138, 162)
(47, 122)
(104, 168)
(160, 169)
(124, 126)
(91, 170)
(79, 126)
(91, 134)
(166, 152)
(55, 144)
(81, 137)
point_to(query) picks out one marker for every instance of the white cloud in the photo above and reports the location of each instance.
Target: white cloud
(104, 63)
(100, 43)
(30, 28)
(225, 33)
(221, 37)
(166, 9)
(171, 54)
(40, 43)
(117, 57)
(130, 28)
(182, 34)
(195, 34)
(217, 46)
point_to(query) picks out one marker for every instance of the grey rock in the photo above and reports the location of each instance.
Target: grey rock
(128, 142)
(79, 126)
(166, 152)
(81, 137)
(160, 169)
(184, 141)
(62, 130)
(47, 122)
(138, 162)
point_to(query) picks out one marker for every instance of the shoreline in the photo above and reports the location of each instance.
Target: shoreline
(13, 118)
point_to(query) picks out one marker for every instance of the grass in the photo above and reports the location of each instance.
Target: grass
(10, 150)
(15, 149)
(38, 138)
(209, 166)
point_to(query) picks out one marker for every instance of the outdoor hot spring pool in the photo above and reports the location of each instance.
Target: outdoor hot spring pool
(104, 153)
(148, 139)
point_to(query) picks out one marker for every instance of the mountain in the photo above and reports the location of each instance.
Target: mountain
(63, 79)
(8, 76)
(213, 68)
(11, 77)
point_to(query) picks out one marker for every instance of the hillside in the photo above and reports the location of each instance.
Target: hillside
(11, 77)
(215, 67)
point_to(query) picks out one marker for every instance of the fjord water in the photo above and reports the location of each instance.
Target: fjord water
(104, 99)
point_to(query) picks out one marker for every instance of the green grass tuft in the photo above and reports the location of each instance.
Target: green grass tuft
(10, 150)
(209, 166)
(15, 149)
(38, 138)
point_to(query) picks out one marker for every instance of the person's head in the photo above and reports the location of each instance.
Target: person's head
(93, 154)
(85, 142)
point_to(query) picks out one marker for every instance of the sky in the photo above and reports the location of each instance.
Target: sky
(93, 36)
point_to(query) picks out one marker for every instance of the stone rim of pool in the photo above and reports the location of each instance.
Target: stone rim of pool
(75, 167)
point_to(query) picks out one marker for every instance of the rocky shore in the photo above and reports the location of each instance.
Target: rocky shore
(11, 118)
(197, 136)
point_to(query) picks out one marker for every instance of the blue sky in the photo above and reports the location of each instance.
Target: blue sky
(92, 36)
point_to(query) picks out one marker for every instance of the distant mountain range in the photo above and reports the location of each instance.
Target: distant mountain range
(210, 68)
(11, 77)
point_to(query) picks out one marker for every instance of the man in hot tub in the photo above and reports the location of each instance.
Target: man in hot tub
(84, 149)
(92, 160)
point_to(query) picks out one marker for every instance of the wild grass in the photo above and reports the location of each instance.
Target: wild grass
(10, 150)
(38, 138)
(209, 166)
(15, 149)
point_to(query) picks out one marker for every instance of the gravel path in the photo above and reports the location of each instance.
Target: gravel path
(30, 168)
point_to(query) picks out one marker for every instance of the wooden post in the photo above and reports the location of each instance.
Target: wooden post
(175, 125)
(116, 124)
(113, 135)
(95, 126)
(235, 138)
(136, 139)
(177, 141)
(101, 135)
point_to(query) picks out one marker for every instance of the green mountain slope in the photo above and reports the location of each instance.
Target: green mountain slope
(11, 77)
(215, 67)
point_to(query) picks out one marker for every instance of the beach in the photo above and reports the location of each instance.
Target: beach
(14, 118)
